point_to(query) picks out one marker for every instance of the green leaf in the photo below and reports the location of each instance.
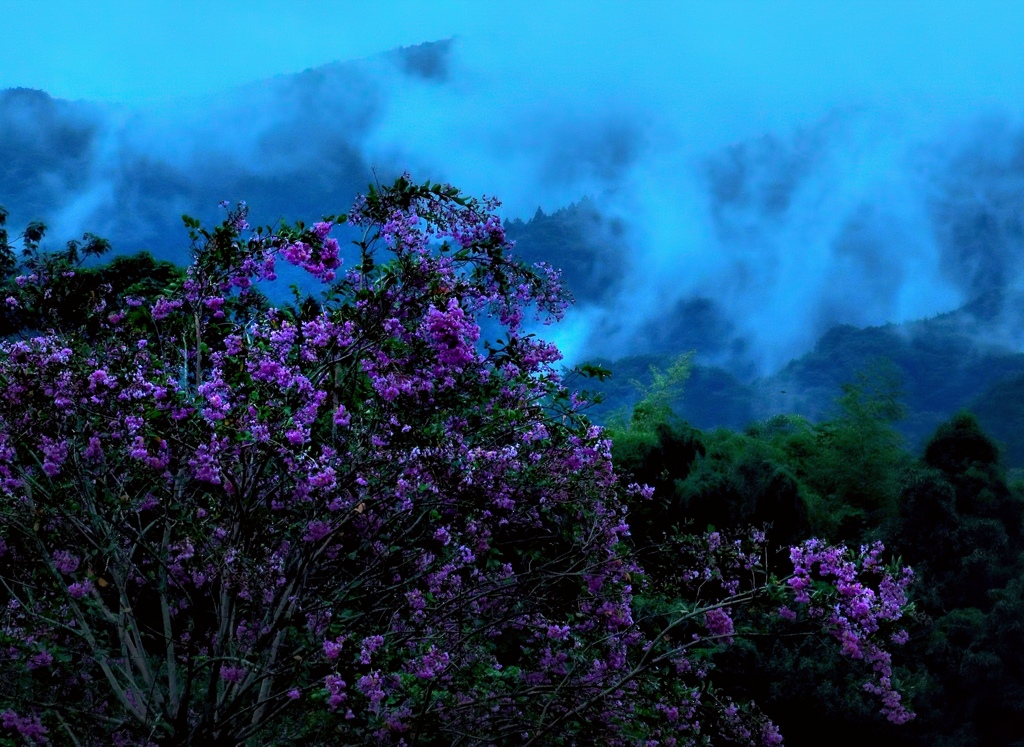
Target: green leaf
(591, 371)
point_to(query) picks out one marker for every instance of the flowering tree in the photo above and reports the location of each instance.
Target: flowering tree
(350, 521)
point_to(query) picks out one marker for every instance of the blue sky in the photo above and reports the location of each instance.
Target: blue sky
(139, 50)
(132, 51)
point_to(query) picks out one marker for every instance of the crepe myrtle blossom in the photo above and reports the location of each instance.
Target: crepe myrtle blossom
(828, 582)
(350, 520)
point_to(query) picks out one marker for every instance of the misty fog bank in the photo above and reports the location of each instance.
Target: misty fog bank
(686, 216)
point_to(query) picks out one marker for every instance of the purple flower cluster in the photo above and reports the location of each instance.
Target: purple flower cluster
(355, 492)
(28, 727)
(65, 562)
(233, 674)
(452, 334)
(828, 580)
(718, 622)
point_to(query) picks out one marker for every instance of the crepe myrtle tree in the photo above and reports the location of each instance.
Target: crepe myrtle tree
(351, 521)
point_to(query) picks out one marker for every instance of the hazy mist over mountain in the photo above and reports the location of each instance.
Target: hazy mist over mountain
(736, 208)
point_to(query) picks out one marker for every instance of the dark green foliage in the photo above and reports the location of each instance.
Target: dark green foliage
(959, 443)
(1001, 717)
(952, 514)
(848, 466)
(991, 512)
(771, 476)
(588, 248)
(960, 527)
(658, 450)
(855, 469)
(741, 482)
(929, 521)
(7, 258)
(942, 365)
(66, 290)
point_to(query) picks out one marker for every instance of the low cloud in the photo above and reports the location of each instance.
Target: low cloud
(699, 213)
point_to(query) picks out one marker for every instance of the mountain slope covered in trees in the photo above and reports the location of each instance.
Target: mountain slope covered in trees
(937, 366)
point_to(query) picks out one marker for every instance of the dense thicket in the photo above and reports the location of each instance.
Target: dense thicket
(952, 513)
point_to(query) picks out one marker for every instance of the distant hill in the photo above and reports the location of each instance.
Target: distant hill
(1000, 408)
(46, 151)
(291, 146)
(944, 363)
(586, 246)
